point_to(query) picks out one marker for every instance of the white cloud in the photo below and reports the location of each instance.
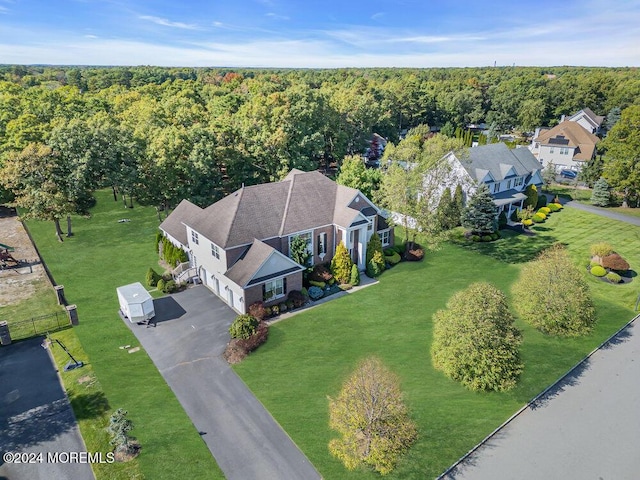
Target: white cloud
(275, 16)
(168, 23)
(90, 36)
(377, 16)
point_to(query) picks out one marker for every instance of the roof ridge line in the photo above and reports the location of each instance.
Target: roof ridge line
(234, 218)
(286, 205)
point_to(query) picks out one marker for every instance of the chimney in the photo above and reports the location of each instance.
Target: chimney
(562, 119)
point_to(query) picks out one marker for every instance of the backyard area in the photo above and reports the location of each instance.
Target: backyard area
(102, 255)
(308, 356)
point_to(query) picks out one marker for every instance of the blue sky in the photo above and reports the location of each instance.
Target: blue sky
(330, 33)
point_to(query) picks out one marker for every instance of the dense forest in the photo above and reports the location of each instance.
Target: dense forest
(163, 134)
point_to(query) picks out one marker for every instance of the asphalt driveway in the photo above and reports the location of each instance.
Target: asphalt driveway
(587, 426)
(186, 345)
(35, 416)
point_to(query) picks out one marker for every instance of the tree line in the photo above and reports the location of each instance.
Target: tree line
(163, 134)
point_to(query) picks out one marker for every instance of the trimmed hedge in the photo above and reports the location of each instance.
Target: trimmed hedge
(243, 326)
(540, 212)
(152, 277)
(527, 223)
(554, 207)
(393, 259)
(598, 271)
(545, 210)
(313, 283)
(538, 218)
(613, 277)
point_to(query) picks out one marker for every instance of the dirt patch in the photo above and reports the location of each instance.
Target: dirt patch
(19, 284)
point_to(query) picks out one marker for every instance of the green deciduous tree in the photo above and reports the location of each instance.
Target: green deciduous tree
(622, 160)
(371, 418)
(475, 341)
(601, 196)
(353, 173)
(341, 264)
(552, 295)
(480, 214)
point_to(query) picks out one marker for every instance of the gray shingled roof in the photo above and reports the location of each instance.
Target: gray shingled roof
(497, 159)
(246, 267)
(185, 212)
(301, 201)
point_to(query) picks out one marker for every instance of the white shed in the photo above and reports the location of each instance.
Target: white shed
(136, 303)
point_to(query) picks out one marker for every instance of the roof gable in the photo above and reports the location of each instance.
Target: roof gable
(183, 214)
(570, 134)
(496, 161)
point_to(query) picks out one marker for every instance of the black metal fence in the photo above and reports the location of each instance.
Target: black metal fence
(38, 325)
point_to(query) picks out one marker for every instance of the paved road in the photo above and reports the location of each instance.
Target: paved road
(587, 427)
(604, 212)
(186, 345)
(35, 415)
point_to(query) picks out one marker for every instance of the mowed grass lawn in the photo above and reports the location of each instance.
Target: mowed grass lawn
(102, 255)
(308, 356)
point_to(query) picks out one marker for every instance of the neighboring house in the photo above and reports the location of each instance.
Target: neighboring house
(240, 244)
(588, 120)
(567, 145)
(506, 172)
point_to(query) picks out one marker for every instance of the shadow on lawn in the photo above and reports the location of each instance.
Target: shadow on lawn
(89, 405)
(513, 247)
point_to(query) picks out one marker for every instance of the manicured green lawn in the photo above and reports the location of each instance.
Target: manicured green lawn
(569, 192)
(308, 356)
(634, 212)
(102, 255)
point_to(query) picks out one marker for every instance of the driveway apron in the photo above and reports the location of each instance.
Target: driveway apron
(186, 343)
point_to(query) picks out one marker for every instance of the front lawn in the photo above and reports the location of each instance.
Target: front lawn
(308, 356)
(102, 255)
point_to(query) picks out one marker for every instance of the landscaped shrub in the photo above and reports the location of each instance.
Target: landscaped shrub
(613, 277)
(275, 310)
(527, 223)
(283, 307)
(257, 311)
(566, 308)
(152, 277)
(514, 216)
(545, 210)
(475, 341)
(598, 271)
(495, 236)
(317, 284)
(400, 248)
(392, 259)
(475, 238)
(486, 238)
(290, 305)
(542, 201)
(297, 298)
(320, 274)
(346, 286)
(376, 265)
(502, 220)
(170, 287)
(538, 218)
(355, 275)
(615, 262)
(258, 337)
(119, 428)
(532, 196)
(542, 214)
(341, 264)
(315, 293)
(305, 293)
(243, 326)
(160, 284)
(601, 249)
(172, 254)
(554, 207)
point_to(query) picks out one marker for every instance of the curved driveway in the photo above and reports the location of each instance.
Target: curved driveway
(186, 345)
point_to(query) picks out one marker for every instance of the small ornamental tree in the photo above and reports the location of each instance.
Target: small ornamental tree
(299, 250)
(601, 196)
(371, 418)
(480, 214)
(375, 256)
(549, 174)
(355, 276)
(532, 196)
(119, 428)
(475, 341)
(552, 295)
(341, 264)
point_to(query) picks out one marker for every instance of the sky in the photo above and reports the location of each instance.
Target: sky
(321, 34)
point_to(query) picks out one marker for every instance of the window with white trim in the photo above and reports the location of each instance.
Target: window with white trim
(274, 289)
(518, 181)
(496, 187)
(322, 244)
(551, 150)
(194, 237)
(385, 237)
(215, 251)
(508, 184)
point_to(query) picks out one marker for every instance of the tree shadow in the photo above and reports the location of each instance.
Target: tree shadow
(513, 247)
(568, 380)
(89, 405)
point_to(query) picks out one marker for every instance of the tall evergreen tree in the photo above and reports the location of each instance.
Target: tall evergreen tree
(532, 196)
(458, 203)
(601, 197)
(479, 215)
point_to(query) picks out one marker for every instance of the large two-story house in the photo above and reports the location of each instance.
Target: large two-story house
(240, 244)
(506, 172)
(567, 145)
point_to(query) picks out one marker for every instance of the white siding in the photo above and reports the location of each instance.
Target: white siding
(552, 154)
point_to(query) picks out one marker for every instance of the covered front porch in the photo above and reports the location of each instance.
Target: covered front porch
(509, 201)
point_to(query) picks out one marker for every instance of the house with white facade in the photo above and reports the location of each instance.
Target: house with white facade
(587, 120)
(239, 245)
(506, 172)
(568, 145)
